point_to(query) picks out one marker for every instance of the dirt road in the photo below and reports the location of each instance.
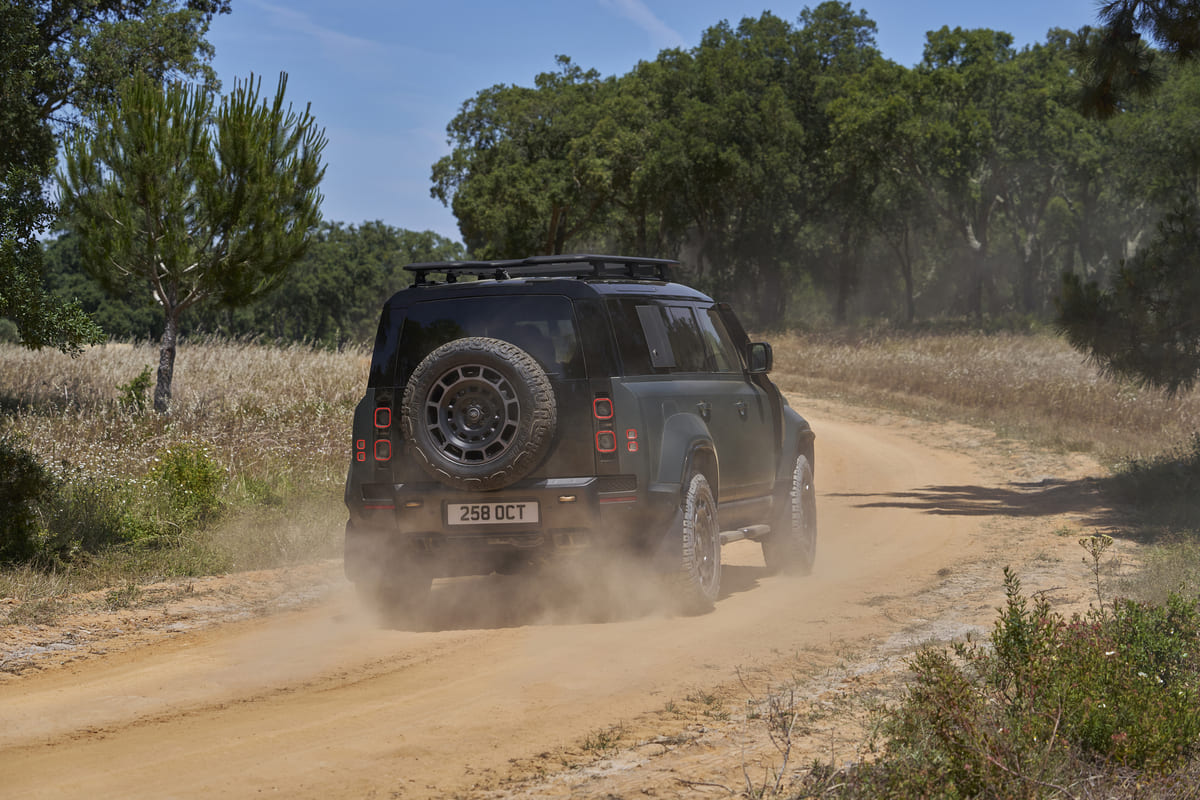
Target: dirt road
(520, 690)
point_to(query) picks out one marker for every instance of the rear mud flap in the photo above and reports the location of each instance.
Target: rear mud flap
(667, 552)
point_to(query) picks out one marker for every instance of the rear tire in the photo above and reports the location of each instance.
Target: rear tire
(698, 581)
(792, 544)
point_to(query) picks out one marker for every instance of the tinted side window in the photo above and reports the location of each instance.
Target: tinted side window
(631, 339)
(720, 344)
(686, 340)
(597, 342)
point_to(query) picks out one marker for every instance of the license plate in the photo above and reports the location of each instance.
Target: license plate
(523, 513)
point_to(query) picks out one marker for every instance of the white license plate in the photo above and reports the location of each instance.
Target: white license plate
(523, 513)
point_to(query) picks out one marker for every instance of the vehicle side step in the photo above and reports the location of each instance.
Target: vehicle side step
(752, 532)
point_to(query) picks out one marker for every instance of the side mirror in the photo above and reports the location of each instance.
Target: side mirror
(760, 358)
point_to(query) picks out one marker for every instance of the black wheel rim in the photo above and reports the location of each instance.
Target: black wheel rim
(472, 414)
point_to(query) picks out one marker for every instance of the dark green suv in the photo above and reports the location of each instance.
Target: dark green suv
(518, 408)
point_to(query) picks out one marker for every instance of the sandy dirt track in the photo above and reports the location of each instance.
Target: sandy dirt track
(506, 692)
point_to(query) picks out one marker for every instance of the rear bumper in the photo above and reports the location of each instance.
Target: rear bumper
(410, 522)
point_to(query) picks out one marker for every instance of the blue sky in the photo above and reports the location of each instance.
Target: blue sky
(384, 78)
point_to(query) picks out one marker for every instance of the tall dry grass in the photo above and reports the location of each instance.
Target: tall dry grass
(278, 412)
(276, 420)
(1026, 386)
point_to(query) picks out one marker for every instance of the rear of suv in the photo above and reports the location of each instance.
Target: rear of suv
(517, 409)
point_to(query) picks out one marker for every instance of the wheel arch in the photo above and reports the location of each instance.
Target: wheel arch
(799, 440)
(686, 444)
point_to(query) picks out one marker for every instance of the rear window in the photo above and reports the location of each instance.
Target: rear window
(542, 325)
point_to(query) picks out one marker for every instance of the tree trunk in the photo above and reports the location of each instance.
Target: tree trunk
(978, 276)
(845, 276)
(166, 363)
(910, 304)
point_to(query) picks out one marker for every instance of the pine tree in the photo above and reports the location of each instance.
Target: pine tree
(199, 204)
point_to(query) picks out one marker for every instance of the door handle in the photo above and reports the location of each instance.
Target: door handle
(740, 405)
(704, 409)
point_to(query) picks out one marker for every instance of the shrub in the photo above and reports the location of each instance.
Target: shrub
(189, 483)
(134, 395)
(24, 484)
(85, 517)
(1012, 717)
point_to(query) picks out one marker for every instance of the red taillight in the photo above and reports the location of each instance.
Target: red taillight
(602, 407)
(383, 417)
(383, 450)
(606, 441)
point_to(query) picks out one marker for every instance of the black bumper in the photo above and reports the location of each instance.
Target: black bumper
(411, 522)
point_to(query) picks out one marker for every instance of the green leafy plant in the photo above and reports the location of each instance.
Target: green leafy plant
(134, 395)
(189, 483)
(1013, 717)
(24, 484)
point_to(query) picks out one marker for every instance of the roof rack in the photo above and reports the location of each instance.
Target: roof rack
(574, 265)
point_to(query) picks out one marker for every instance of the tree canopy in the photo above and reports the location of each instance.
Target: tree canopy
(197, 203)
(57, 60)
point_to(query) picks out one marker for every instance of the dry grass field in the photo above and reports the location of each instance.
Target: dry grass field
(1032, 387)
(275, 422)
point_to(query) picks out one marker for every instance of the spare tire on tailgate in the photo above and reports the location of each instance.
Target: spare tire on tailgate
(479, 413)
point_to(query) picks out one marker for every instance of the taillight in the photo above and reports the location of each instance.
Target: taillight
(631, 440)
(383, 417)
(606, 441)
(602, 407)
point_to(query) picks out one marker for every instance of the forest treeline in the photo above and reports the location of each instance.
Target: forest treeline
(788, 165)
(330, 297)
(800, 173)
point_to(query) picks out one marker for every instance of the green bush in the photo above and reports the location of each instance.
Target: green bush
(24, 484)
(134, 395)
(1017, 715)
(85, 517)
(189, 483)
(9, 332)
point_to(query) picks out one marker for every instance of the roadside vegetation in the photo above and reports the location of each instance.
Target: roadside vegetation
(1103, 704)
(246, 472)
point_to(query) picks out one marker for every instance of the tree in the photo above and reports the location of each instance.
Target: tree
(26, 160)
(1147, 326)
(198, 204)
(1143, 320)
(516, 180)
(91, 46)
(1118, 63)
(58, 59)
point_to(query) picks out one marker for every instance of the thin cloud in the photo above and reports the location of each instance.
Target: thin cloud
(330, 40)
(639, 14)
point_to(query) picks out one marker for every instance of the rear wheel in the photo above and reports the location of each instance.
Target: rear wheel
(698, 581)
(792, 544)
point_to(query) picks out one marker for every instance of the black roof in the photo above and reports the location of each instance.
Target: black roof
(574, 265)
